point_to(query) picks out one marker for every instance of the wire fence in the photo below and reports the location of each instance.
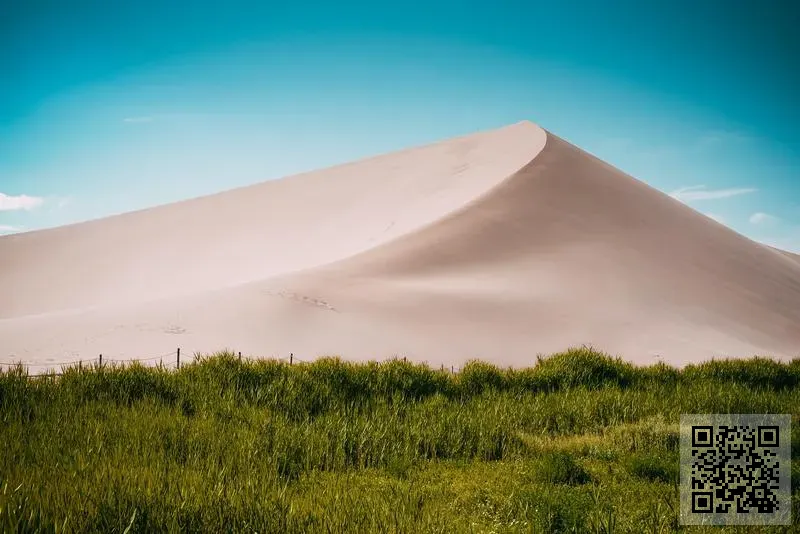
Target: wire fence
(169, 360)
(172, 361)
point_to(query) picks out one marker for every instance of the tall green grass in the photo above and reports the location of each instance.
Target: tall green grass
(578, 442)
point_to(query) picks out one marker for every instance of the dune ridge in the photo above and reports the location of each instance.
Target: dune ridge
(500, 245)
(253, 232)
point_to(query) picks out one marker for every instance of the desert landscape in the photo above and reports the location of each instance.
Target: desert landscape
(499, 246)
(494, 333)
(380, 267)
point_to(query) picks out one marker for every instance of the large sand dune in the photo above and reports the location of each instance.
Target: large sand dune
(499, 245)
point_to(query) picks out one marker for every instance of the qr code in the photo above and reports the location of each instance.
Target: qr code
(735, 469)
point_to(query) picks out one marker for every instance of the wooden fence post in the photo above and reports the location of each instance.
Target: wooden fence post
(179, 357)
(240, 356)
(291, 357)
(101, 360)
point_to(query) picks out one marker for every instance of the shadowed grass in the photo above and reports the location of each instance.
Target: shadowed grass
(579, 442)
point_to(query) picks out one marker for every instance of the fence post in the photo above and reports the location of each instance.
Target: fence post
(179, 357)
(240, 356)
(291, 357)
(80, 365)
(101, 360)
(452, 370)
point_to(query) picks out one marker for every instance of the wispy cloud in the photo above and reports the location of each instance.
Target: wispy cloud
(762, 218)
(6, 229)
(138, 119)
(19, 202)
(700, 192)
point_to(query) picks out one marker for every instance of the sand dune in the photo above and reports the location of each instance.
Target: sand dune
(790, 255)
(253, 232)
(499, 245)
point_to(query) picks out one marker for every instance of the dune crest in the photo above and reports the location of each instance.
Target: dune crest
(499, 245)
(254, 232)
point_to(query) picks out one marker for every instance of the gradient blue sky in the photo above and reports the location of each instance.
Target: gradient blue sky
(107, 107)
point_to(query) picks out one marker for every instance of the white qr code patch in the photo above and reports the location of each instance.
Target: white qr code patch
(735, 469)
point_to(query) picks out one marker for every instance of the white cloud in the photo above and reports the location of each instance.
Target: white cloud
(19, 202)
(700, 192)
(137, 119)
(762, 218)
(6, 229)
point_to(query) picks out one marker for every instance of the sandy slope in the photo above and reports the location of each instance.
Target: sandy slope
(499, 245)
(254, 232)
(791, 255)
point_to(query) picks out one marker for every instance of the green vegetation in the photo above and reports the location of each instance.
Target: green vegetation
(580, 442)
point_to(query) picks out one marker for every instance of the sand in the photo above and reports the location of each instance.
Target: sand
(499, 245)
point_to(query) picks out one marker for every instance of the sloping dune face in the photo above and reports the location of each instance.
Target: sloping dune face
(499, 246)
(790, 255)
(254, 232)
(570, 250)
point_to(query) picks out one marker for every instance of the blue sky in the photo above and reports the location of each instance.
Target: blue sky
(108, 107)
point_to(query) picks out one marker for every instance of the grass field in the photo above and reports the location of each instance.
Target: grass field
(579, 442)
